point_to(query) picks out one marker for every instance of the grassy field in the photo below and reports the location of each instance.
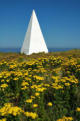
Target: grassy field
(40, 87)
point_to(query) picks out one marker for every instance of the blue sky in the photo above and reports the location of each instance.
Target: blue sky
(59, 21)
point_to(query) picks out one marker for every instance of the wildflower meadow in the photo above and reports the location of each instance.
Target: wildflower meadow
(40, 87)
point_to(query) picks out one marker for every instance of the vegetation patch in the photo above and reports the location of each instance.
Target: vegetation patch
(40, 87)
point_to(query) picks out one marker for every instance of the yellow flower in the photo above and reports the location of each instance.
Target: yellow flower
(15, 78)
(78, 109)
(35, 105)
(49, 104)
(3, 119)
(9, 109)
(24, 88)
(2, 80)
(57, 86)
(32, 97)
(29, 101)
(7, 80)
(41, 89)
(34, 115)
(39, 77)
(27, 114)
(67, 84)
(4, 85)
(37, 94)
(46, 85)
(24, 83)
(31, 114)
(64, 118)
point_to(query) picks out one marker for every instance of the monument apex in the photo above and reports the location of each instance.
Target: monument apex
(34, 41)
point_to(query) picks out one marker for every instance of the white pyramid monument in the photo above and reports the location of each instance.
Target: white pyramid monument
(34, 40)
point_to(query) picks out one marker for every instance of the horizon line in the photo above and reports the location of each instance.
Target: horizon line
(48, 47)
